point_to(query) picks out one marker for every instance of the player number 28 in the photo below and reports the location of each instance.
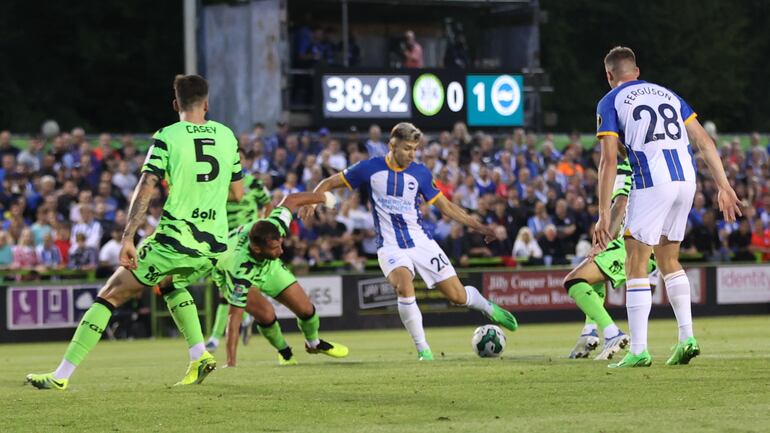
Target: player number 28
(668, 113)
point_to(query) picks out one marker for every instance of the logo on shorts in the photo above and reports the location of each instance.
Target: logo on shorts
(411, 185)
(391, 261)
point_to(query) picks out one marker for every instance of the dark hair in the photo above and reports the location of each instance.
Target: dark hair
(190, 90)
(405, 131)
(262, 232)
(617, 55)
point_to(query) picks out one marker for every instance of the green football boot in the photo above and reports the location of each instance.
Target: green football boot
(425, 355)
(335, 350)
(684, 351)
(47, 381)
(503, 317)
(198, 370)
(630, 360)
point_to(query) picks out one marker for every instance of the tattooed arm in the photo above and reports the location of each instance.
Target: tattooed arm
(136, 215)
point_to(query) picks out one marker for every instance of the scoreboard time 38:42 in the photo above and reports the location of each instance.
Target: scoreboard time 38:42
(429, 98)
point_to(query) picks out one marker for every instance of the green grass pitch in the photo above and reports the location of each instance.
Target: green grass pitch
(125, 386)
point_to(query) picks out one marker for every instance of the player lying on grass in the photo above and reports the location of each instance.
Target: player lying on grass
(586, 283)
(396, 185)
(255, 203)
(252, 265)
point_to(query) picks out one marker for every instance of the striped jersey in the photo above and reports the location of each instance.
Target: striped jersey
(623, 179)
(245, 211)
(199, 162)
(395, 196)
(650, 121)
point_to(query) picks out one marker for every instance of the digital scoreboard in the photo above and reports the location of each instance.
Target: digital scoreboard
(429, 98)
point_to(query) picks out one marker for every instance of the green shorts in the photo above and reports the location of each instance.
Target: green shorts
(156, 261)
(612, 262)
(274, 277)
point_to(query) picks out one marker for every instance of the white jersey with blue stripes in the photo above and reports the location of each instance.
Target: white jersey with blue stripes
(395, 196)
(650, 121)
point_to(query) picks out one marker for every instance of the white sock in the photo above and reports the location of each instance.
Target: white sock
(678, 290)
(65, 370)
(196, 351)
(313, 344)
(476, 301)
(214, 341)
(611, 331)
(411, 317)
(589, 328)
(638, 304)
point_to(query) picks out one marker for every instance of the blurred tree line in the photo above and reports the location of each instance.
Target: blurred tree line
(109, 65)
(104, 65)
(713, 53)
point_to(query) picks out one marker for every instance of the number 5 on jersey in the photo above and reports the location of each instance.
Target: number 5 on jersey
(200, 156)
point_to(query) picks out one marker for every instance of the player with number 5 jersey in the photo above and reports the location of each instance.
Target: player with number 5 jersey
(656, 128)
(395, 186)
(199, 160)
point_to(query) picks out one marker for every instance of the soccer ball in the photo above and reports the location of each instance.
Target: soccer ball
(50, 128)
(488, 341)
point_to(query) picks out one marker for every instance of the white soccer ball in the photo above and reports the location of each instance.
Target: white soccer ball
(488, 341)
(50, 128)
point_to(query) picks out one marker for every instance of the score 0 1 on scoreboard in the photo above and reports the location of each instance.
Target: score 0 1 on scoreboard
(429, 98)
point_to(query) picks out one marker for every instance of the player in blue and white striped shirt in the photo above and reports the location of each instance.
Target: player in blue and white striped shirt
(655, 125)
(395, 186)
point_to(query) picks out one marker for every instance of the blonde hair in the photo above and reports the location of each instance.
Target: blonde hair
(404, 131)
(523, 231)
(614, 60)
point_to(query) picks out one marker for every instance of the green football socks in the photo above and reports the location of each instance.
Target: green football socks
(590, 303)
(182, 307)
(273, 334)
(89, 331)
(220, 321)
(600, 290)
(309, 328)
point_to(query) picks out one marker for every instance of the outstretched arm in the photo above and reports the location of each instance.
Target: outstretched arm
(728, 200)
(233, 333)
(299, 199)
(136, 215)
(458, 214)
(330, 183)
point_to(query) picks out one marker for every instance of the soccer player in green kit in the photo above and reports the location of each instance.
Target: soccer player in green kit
(252, 265)
(586, 283)
(255, 202)
(199, 159)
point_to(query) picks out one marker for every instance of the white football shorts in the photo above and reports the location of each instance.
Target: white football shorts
(659, 210)
(426, 257)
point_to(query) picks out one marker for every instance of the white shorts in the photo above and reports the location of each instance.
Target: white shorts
(659, 211)
(431, 262)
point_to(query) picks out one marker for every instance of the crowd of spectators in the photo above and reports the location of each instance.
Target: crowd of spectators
(63, 201)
